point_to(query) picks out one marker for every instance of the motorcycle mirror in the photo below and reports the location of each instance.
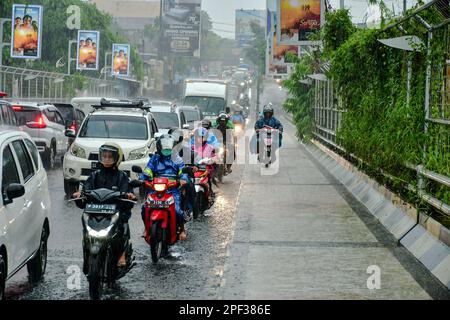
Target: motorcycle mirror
(136, 169)
(135, 184)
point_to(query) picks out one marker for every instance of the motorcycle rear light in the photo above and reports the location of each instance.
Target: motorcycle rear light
(160, 187)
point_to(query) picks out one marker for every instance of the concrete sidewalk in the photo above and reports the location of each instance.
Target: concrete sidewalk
(300, 235)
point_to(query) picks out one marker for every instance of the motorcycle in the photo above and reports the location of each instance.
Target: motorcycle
(203, 197)
(103, 237)
(266, 134)
(160, 219)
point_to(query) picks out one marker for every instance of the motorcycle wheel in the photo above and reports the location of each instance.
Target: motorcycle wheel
(156, 246)
(95, 277)
(220, 173)
(197, 209)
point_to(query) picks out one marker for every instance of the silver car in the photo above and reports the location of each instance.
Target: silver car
(45, 124)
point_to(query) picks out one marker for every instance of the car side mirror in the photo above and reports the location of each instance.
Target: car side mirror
(13, 191)
(69, 133)
(158, 135)
(136, 169)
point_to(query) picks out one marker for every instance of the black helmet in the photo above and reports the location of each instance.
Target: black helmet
(206, 124)
(114, 149)
(165, 145)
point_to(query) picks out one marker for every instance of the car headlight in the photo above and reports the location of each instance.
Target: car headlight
(77, 151)
(242, 84)
(138, 154)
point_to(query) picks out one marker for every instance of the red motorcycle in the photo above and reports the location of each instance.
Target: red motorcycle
(160, 218)
(203, 197)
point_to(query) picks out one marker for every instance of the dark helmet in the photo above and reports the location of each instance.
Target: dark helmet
(165, 145)
(114, 149)
(206, 124)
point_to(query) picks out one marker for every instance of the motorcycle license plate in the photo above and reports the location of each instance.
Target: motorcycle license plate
(100, 208)
(158, 204)
(268, 141)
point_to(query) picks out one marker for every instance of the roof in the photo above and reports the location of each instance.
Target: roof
(95, 100)
(8, 133)
(120, 112)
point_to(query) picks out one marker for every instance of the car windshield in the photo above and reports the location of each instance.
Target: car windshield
(166, 120)
(208, 105)
(115, 127)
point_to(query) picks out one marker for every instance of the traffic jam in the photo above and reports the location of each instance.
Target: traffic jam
(110, 156)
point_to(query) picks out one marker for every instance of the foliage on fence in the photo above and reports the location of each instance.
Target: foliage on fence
(379, 126)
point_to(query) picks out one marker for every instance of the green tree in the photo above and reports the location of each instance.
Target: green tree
(56, 35)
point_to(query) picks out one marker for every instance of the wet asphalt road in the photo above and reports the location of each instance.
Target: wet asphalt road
(193, 269)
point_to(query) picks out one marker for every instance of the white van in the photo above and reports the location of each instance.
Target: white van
(210, 96)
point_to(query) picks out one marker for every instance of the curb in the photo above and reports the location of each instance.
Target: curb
(423, 240)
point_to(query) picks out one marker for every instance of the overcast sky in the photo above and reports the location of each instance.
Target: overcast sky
(222, 12)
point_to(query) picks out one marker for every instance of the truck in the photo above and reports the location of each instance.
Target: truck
(211, 96)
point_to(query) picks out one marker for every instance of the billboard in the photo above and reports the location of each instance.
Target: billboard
(181, 25)
(278, 62)
(298, 20)
(26, 31)
(87, 50)
(244, 20)
(121, 60)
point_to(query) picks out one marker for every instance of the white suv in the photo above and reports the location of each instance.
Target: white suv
(45, 124)
(24, 208)
(128, 124)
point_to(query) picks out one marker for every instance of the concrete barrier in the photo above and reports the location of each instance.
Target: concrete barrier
(424, 237)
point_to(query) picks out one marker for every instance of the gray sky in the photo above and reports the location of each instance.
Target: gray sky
(223, 11)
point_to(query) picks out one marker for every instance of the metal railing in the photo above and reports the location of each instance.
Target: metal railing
(41, 86)
(328, 110)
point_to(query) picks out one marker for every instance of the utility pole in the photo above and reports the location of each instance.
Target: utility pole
(341, 4)
(404, 6)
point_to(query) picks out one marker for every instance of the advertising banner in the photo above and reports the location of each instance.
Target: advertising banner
(181, 25)
(26, 31)
(298, 20)
(87, 50)
(121, 60)
(244, 20)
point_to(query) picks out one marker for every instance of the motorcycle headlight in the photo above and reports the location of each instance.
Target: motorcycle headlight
(242, 84)
(138, 154)
(102, 233)
(159, 187)
(77, 151)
